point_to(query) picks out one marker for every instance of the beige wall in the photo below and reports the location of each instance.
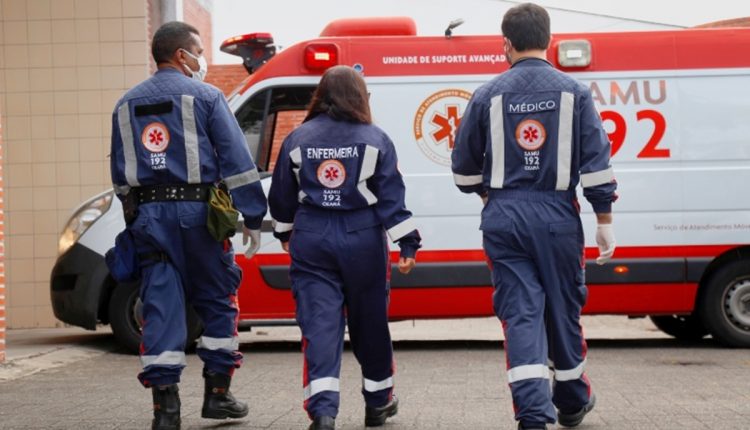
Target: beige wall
(63, 65)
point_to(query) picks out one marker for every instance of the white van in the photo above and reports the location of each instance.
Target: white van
(680, 130)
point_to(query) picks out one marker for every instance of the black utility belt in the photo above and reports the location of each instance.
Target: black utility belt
(172, 193)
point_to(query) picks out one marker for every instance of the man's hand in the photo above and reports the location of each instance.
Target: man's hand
(285, 246)
(605, 240)
(254, 236)
(406, 264)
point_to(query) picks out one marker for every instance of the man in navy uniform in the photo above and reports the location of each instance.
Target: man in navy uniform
(173, 138)
(526, 140)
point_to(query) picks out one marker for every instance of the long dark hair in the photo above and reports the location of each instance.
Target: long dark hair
(342, 94)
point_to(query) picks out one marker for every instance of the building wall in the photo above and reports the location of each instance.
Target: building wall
(198, 14)
(2, 248)
(63, 65)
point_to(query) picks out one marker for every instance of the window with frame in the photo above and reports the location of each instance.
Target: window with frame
(268, 117)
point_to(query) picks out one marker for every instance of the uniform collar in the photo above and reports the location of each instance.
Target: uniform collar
(531, 62)
(168, 70)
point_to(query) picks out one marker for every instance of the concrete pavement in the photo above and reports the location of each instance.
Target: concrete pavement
(643, 380)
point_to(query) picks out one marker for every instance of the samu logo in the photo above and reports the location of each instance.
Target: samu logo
(437, 121)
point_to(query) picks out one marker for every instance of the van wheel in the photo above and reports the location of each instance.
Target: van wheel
(681, 327)
(125, 318)
(724, 304)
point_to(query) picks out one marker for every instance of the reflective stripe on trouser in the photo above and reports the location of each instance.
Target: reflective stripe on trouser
(333, 270)
(200, 271)
(536, 249)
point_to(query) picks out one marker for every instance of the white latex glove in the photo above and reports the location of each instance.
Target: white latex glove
(605, 240)
(254, 236)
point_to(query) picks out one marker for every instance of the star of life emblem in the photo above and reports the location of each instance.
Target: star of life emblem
(530, 135)
(436, 122)
(331, 173)
(155, 137)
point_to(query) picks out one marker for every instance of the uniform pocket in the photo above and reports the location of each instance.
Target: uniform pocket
(563, 228)
(496, 224)
(361, 221)
(195, 219)
(310, 224)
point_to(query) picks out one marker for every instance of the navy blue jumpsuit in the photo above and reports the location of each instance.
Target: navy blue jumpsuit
(171, 129)
(335, 195)
(528, 137)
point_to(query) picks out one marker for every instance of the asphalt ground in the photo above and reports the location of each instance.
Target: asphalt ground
(450, 375)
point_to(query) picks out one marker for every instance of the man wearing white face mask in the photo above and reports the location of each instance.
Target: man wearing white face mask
(174, 140)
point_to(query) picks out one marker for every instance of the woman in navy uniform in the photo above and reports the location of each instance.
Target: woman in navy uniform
(336, 194)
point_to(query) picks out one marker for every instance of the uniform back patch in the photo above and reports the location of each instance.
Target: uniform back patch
(530, 135)
(331, 173)
(155, 137)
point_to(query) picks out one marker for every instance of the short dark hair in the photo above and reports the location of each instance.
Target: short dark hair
(169, 38)
(527, 27)
(342, 94)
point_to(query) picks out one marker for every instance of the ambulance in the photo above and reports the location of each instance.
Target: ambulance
(676, 107)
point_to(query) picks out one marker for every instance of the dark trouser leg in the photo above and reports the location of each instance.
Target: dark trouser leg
(367, 289)
(317, 290)
(519, 303)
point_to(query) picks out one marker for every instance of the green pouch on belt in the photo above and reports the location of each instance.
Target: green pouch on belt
(222, 216)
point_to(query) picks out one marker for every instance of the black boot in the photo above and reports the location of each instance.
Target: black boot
(323, 423)
(574, 418)
(218, 401)
(166, 408)
(375, 417)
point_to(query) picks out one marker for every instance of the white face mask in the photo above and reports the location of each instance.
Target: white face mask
(199, 75)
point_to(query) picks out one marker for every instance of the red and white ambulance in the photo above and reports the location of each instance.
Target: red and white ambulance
(676, 105)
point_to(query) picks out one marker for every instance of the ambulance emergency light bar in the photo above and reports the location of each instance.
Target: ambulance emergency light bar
(255, 49)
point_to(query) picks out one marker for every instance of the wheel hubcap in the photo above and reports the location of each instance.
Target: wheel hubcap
(737, 304)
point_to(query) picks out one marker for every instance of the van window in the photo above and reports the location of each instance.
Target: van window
(268, 117)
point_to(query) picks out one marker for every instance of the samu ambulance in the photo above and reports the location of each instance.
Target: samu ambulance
(676, 106)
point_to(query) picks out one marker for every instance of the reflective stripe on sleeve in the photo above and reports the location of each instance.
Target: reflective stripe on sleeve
(296, 156)
(368, 169)
(497, 134)
(319, 385)
(217, 343)
(245, 178)
(372, 386)
(570, 375)
(282, 227)
(192, 153)
(565, 141)
(528, 371)
(402, 229)
(166, 358)
(597, 178)
(128, 145)
(467, 180)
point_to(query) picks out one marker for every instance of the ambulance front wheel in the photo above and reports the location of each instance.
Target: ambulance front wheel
(724, 304)
(681, 327)
(125, 318)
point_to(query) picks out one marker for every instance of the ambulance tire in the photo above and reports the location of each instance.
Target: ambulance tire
(681, 327)
(125, 323)
(724, 304)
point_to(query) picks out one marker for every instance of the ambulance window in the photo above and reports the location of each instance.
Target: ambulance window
(268, 117)
(286, 111)
(250, 117)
